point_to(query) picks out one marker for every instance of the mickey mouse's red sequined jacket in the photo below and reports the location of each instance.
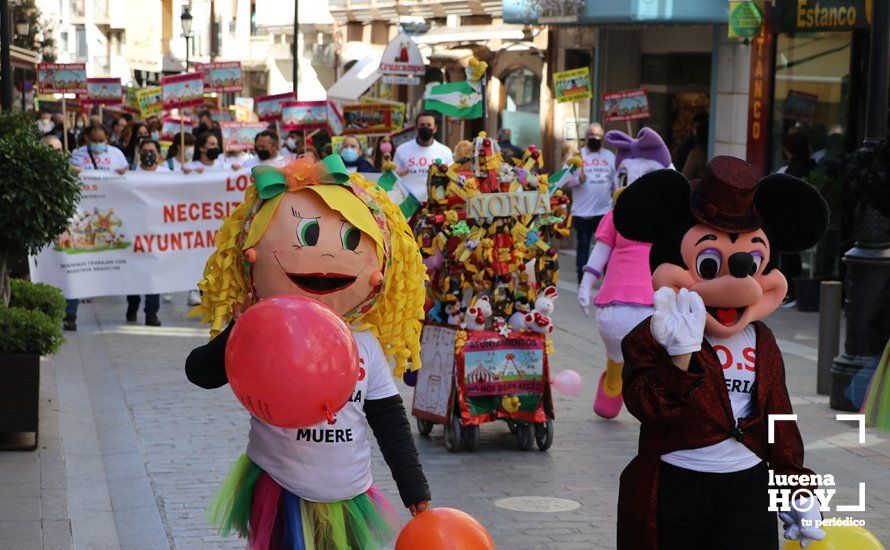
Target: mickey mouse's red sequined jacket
(687, 410)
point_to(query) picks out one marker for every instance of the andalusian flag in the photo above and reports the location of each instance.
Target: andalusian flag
(398, 194)
(567, 173)
(456, 99)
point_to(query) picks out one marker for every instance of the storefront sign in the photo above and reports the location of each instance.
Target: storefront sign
(139, 233)
(61, 78)
(367, 119)
(268, 107)
(508, 205)
(573, 85)
(239, 136)
(759, 95)
(826, 15)
(303, 115)
(183, 90)
(103, 91)
(151, 101)
(745, 19)
(402, 56)
(221, 76)
(625, 105)
(401, 80)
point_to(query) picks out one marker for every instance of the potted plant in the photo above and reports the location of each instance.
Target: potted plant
(30, 328)
(38, 195)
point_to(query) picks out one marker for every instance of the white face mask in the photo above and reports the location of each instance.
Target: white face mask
(45, 126)
(189, 153)
(290, 143)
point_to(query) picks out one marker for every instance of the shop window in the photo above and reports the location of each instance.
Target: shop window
(522, 105)
(812, 90)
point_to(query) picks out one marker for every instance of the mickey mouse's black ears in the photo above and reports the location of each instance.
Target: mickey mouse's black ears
(793, 211)
(651, 205)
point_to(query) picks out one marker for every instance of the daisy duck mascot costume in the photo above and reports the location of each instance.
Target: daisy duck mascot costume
(625, 297)
(704, 374)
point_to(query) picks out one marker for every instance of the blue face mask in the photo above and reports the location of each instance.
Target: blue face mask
(349, 154)
(99, 147)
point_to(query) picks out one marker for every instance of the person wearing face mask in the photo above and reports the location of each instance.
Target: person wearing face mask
(138, 133)
(414, 158)
(207, 124)
(148, 157)
(354, 157)
(178, 157)
(265, 144)
(97, 154)
(292, 143)
(209, 155)
(45, 123)
(117, 138)
(592, 198)
(384, 147)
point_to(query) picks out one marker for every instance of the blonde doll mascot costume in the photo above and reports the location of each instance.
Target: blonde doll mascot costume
(626, 296)
(309, 229)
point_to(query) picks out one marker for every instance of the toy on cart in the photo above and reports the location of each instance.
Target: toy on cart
(486, 235)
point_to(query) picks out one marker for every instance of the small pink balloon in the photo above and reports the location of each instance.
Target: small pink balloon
(567, 382)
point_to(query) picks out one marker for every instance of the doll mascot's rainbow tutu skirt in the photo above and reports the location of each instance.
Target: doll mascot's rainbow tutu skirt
(252, 504)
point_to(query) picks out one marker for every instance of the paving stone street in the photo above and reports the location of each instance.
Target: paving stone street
(131, 453)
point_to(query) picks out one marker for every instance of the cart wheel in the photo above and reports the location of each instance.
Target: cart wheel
(544, 434)
(453, 435)
(424, 426)
(471, 437)
(512, 426)
(524, 436)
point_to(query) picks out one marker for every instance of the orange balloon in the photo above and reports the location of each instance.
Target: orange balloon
(444, 529)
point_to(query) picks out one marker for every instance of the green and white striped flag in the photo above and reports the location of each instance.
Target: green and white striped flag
(557, 179)
(407, 203)
(455, 99)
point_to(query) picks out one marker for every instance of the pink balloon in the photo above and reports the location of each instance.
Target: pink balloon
(567, 382)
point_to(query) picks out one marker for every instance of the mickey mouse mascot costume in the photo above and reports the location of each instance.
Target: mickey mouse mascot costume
(703, 373)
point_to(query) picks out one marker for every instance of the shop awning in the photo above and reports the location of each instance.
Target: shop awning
(471, 34)
(357, 79)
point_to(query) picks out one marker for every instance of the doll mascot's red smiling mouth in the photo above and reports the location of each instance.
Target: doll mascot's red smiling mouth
(703, 373)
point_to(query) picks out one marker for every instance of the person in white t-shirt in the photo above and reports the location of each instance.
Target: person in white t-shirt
(97, 154)
(207, 155)
(324, 469)
(592, 198)
(266, 151)
(236, 158)
(414, 158)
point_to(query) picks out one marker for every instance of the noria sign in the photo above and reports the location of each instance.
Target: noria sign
(139, 233)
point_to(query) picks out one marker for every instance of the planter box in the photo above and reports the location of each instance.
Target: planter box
(19, 394)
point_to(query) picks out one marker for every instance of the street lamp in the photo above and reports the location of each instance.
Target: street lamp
(186, 21)
(22, 26)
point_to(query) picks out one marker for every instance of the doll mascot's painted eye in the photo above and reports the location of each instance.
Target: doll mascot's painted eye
(350, 237)
(308, 231)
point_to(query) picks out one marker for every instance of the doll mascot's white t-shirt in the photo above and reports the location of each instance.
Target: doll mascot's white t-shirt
(327, 462)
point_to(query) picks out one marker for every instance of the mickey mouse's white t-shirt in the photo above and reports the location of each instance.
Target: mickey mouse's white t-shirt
(327, 462)
(737, 355)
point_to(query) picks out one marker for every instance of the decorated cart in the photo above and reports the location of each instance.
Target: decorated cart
(486, 235)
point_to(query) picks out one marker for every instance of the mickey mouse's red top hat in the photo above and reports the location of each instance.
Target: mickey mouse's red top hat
(724, 197)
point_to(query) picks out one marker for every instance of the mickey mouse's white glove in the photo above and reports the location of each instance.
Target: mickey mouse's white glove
(793, 522)
(678, 323)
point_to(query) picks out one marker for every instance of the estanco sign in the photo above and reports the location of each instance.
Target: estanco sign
(402, 56)
(829, 15)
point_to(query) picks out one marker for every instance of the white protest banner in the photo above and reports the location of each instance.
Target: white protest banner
(139, 233)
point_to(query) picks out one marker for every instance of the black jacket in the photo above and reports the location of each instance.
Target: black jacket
(205, 367)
